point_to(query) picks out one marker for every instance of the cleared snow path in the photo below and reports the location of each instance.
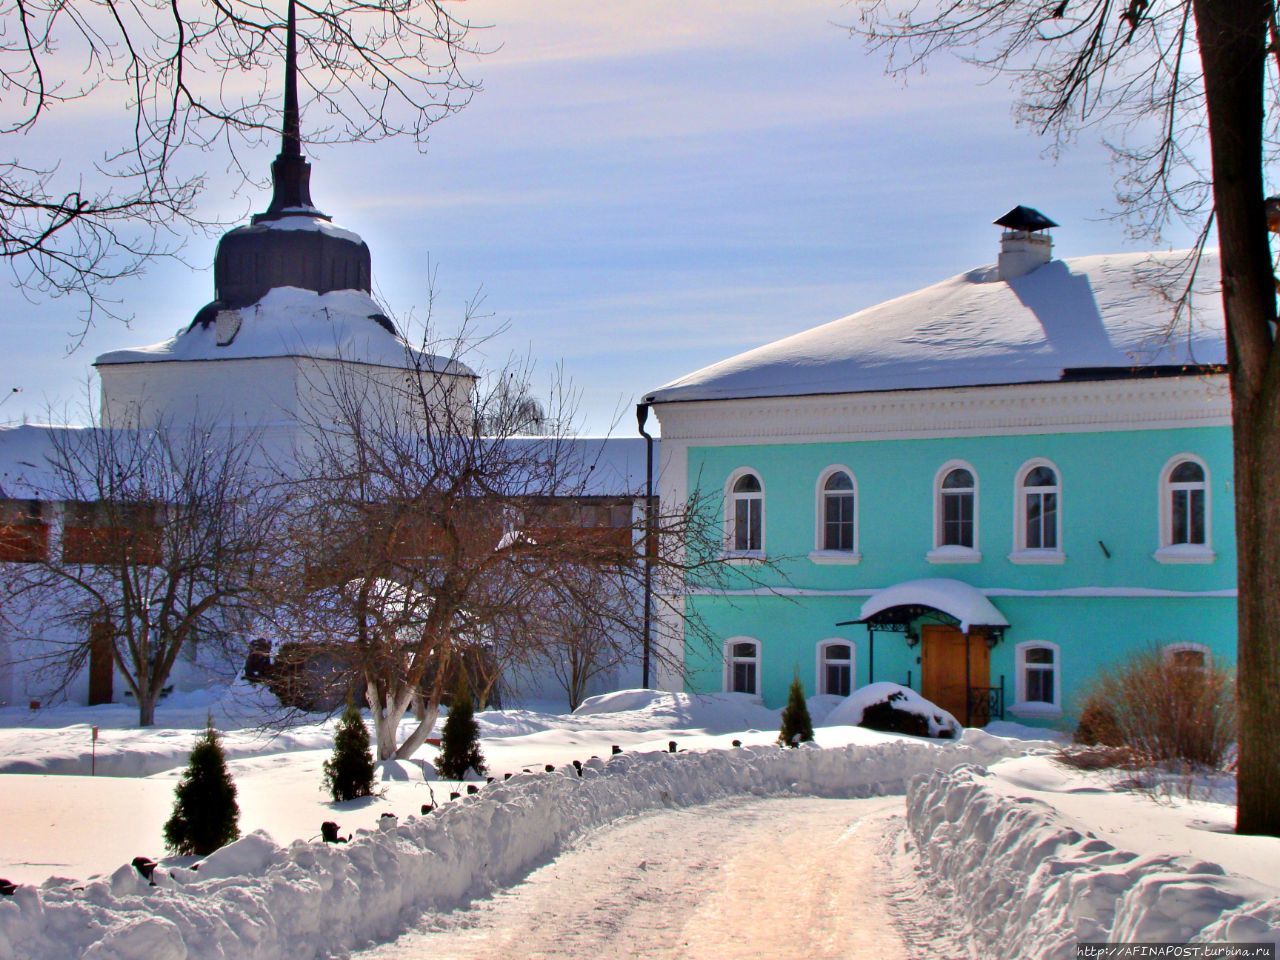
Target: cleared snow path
(776, 878)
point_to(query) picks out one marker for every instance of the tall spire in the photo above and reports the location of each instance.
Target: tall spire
(290, 172)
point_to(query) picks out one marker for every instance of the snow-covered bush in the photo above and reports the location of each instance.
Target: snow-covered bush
(205, 813)
(348, 774)
(894, 709)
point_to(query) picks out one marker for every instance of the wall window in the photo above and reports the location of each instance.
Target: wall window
(742, 666)
(835, 537)
(1039, 680)
(746, 514)
(1184, 511)
(955, 510)
(1189, 655)
(835, 667)
(1037, 514)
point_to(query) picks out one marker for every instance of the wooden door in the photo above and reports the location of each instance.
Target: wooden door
(942, 668)
(102, 667)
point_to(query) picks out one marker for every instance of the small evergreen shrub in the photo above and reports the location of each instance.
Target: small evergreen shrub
(348, 774)
(205, 814)
(460, 742)
(797, 727)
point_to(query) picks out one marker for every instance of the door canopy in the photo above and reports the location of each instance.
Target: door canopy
(908, 600)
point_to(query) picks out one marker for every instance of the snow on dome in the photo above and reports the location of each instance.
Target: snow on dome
(1100, 311)
(952, 597)
(289, 322)
(309, 221)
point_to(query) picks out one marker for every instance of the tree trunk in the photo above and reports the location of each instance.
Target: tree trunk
(420, 733)
(147, 709)
(1232, 36)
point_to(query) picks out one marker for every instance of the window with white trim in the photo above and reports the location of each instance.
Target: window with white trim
(746, 515)
(1185, 519)
(837, 512)
(742, 666)
(1192, 656)
(835, 667)
(1188, 493)
(1040, 493)
(1038, 678)
(957, 507)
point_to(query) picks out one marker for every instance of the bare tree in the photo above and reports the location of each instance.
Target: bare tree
(1164, 77)
(196, 78)
(163, 536)
(441, 535)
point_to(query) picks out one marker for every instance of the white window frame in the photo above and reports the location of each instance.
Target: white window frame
(953, 553)
(820, 684)
(1169, 649)
(1022, 707)
(730, 514)
(730, 660)
(1021, 552)
(1170, 552)
(820, 553)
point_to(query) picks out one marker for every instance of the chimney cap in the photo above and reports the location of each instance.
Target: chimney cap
(1024, 218)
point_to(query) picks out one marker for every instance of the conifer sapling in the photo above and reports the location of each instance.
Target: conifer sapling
(797, 728)
(205, 814)
(460, 741)
(348, 774)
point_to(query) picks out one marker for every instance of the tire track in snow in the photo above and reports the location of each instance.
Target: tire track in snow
(779, 878)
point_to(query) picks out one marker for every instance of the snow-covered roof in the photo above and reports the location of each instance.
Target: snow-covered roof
(302, 218)
(1106, 311)
(953, 597)
(289, 322)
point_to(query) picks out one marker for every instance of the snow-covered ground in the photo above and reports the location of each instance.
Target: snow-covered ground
(1014, 841)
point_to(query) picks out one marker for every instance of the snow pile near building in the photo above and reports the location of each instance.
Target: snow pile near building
(903, 699)
(1027, 883)
(711, 712)
(309, 900)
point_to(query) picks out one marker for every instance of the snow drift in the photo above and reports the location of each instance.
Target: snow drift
(851, 709)
(259, 901)
(1027, 884)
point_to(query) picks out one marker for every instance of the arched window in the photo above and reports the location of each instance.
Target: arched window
(1037, 514)
(1039, 678)
(1184, 511)
(955, 515)
(835, 537)
(742, 666)
(1193, 656)
(836, 667)
(1187, 496)
(745, 514)
(837, 512)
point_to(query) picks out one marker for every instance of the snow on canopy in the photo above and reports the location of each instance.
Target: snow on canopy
(290, 322)
(953, 597)
(1109, 311)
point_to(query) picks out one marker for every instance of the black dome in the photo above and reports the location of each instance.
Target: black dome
(271, 253)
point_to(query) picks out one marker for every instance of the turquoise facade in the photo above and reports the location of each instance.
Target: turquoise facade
(1109, 596)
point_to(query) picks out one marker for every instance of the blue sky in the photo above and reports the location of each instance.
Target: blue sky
(642, 189)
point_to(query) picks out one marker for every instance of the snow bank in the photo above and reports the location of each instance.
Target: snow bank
(716, 712)
(1029, 884)
(312, 900)
(850, 710)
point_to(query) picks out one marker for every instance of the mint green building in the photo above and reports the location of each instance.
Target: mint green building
(988, 490)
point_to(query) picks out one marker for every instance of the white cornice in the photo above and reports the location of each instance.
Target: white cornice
(1057, 407)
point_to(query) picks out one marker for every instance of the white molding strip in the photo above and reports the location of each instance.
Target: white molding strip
(1129, 592)
(1005, 410)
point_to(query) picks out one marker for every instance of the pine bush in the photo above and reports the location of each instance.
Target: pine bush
(205, 814)
(348, 774)
(460, 743)
(797, 727)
